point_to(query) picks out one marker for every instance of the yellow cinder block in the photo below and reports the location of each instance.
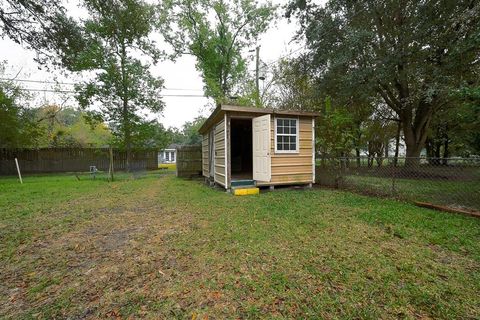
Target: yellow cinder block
(246, 191)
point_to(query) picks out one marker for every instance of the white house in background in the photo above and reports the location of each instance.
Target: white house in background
(168, 155)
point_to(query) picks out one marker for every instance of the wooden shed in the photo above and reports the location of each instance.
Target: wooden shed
(262, 147)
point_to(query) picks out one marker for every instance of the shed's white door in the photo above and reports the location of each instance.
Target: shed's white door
(261, 148)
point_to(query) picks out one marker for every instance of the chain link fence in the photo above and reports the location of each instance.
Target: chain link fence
(454, 182)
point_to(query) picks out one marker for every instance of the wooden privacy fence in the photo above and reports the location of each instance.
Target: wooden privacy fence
(189, 161)
(73, 160)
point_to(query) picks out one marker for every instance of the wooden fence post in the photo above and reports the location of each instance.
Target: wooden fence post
(18, 170)
(111, 164)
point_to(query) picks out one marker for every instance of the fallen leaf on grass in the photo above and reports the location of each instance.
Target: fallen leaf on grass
(113, 313)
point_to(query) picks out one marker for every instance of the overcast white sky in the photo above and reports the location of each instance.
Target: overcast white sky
(180, 74)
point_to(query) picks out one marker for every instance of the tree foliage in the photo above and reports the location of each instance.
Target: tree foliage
(295, 88)
(455, 130)
(123, 89)
(43, 26)
(190, 131)
(412, 54)
(335, 130)
(61, 126)
(188, 134)
(216, 32)
(18, 127)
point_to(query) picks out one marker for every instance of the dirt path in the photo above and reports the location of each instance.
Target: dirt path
(104, 264)
(161, 248)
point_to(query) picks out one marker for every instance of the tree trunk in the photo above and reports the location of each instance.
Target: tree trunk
(415, 132)
(413, 154)
(127, 138)
(369, 154)
(125, 116)
(413, 147)
(387, 147)
(397, 143)
(446, 151)
(415, 117)
(438, 146)
(357, 153)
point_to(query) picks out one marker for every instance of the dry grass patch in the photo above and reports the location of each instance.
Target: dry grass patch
(162, 247)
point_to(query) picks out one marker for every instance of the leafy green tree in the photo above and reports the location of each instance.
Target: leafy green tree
(25, 21)
(294, 88)
(190, 131)
(335, 131)
(123, 88)
(150, 134)
(67, 127)
(410, 53)
(18, 128)
(43, 26)
(175, 135)
(468, 133)
(455, 131)
(188, 135)
(215, 32)
(88, 135)
(377, 133)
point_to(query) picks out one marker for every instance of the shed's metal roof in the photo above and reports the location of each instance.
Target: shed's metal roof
(217, 114)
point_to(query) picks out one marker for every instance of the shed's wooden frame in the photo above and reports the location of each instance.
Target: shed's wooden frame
(287, 168)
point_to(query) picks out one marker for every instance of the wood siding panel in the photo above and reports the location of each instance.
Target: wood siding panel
(304, 168)
(220, 153)
(290, 168)
(205, 163)
(294, 167)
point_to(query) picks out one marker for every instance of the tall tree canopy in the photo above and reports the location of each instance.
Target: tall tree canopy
(28, 21)
(412, 54)
(43, 26)
(123, 89)
(63, 126)
(216, 32)
(18, 127)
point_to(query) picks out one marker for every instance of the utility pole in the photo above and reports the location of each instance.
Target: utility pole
(257, 66)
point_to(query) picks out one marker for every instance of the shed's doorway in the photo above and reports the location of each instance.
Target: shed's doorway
(241, 149)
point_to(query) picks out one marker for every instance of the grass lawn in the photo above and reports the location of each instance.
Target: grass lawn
(450, 193)
(162, 247)
(167, 166)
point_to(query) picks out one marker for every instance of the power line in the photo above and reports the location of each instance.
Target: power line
(45, 90)
(73, 83)
(71, 91)
(285, 56)
(37, 81)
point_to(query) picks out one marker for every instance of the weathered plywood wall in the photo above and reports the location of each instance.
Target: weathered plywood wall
(205, 162)
(219, 153)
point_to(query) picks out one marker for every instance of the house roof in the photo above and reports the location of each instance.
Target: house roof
(173, 146)
(218, 113)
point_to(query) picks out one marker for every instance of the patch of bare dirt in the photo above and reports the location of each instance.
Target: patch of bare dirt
(122, 252)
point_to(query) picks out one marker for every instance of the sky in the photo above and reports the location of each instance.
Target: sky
(180, 76)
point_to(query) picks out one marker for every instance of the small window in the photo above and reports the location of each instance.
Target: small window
(167, 156)
(286, 138)
(173, 156)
